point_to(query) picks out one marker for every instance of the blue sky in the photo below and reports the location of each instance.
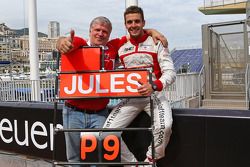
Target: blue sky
(179, 20)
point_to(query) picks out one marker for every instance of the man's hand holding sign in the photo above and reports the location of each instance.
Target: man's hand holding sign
(145, 88)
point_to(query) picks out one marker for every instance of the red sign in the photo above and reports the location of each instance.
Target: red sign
(102, 84)
(88, 58)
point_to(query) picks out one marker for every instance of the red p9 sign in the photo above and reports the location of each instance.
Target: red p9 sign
(100, 147)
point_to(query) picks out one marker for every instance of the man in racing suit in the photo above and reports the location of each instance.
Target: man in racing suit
(141, 52)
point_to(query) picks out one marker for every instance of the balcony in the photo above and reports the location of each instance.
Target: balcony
(213, 7)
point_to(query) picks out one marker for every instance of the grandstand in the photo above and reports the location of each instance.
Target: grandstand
(187, 60)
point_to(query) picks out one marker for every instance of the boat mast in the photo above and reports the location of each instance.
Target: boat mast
(33, 52)
(131, 3)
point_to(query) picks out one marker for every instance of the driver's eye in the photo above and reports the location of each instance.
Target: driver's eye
(129, 22)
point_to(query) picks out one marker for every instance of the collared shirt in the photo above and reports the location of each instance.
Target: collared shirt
(111, 51)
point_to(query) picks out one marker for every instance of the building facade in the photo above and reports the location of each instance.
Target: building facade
(53, 29)
(14, 50)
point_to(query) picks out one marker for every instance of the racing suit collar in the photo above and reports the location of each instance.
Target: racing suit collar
(135, 41)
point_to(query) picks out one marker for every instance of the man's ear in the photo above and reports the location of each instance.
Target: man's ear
(144, 23)
(89, 32)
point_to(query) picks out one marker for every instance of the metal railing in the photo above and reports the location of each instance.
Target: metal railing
(185, 86)
(247, 85)
(20, 90)
(202, 82)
